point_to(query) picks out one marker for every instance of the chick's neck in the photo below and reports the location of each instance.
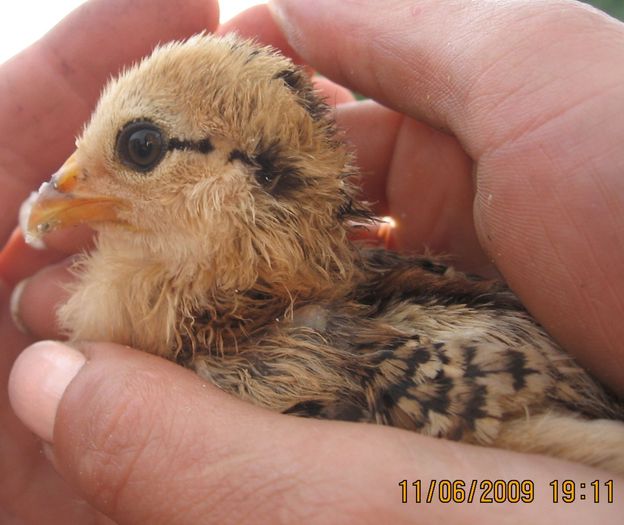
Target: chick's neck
(185, 302)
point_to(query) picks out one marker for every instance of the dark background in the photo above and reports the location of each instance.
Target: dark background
(613, 7)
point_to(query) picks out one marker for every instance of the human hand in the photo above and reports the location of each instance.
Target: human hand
(530, 96)
(112, 435)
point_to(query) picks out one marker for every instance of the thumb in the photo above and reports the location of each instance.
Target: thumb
(146, 441)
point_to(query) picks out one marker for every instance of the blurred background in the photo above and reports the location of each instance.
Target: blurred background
(24, 21)
(614, 7)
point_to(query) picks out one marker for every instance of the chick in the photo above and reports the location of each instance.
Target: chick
(223, 195)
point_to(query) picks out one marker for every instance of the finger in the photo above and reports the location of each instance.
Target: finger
(36, 300)
(378, 234)
(334, 94)
(395, 53)
(419, 176)
(258, 24)
(18, 260)
(372, 129)
(429, 191)
(31, 491)
(48, 91)
(530, 89)
(13, 339)
(146, 441)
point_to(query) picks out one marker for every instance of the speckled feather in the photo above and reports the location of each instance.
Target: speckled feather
(415, 345)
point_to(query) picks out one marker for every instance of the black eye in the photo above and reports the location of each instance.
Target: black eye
(141, 145)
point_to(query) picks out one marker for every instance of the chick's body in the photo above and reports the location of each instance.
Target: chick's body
(223, 196)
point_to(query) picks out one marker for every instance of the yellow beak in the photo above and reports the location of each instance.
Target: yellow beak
(66, 201)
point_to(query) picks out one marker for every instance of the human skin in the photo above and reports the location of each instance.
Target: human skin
(519, 133)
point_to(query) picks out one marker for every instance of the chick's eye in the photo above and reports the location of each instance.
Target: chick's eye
(141, 146)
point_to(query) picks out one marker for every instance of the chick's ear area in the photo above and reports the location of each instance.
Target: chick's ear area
(273, 171)
(297, 81)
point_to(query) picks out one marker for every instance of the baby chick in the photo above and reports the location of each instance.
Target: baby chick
(223, 197)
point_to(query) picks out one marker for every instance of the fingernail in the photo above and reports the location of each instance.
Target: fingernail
(292, 17)
(37, 382)
(274, 7)
(48, 451)
(279, 16)
(16, 298)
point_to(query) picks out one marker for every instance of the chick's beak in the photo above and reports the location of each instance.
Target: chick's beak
(66, 201)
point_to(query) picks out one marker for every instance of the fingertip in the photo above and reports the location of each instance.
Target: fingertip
(334, 94)
(18, 260)
(258, 23)
(137, 435)
(15, 306)
(130, 28)
(38, 380)
(35, 300)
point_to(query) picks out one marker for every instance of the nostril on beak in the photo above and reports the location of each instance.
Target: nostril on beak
(64, 180)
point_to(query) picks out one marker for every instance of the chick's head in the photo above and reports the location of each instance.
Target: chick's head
(212, 150)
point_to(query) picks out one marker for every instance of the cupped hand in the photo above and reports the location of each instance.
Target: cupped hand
(517, 106)
(524, 104)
